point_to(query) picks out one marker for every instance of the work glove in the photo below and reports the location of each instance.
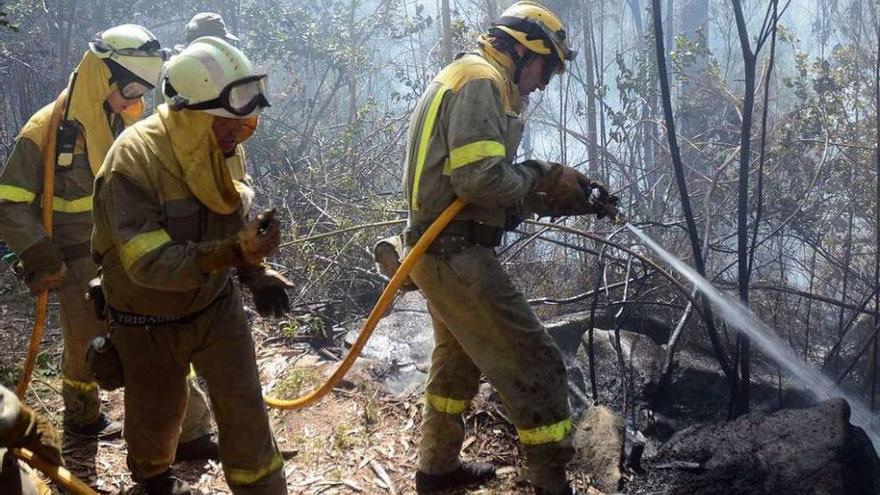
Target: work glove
(562, 191)
(269, 289)
(249, 246)
(43, 266)
(603, 202)
(35, 433)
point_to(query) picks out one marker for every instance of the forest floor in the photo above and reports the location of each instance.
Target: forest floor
(359, 439)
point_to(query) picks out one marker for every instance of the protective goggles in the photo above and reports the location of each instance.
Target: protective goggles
(151, 48)
(133, 90)
(240, 98)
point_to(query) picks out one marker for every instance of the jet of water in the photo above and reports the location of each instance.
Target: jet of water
(760, 334)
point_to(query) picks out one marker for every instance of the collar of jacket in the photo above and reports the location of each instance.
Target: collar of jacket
(86, 106)
(504, 64)
(217, 182)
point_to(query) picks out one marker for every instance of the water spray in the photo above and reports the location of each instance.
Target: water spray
(746, 322)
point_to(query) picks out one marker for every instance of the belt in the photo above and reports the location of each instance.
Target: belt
(137, 320)
(457, 236)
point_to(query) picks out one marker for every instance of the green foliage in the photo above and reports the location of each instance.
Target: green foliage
(307, 324)
(298, 382)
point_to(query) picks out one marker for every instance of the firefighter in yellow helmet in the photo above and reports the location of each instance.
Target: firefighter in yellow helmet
(103, 96)
(462, 142)
(172, 226)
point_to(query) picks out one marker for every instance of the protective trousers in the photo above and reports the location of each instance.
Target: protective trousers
(483, 324)
(79, 326)
(156, 360)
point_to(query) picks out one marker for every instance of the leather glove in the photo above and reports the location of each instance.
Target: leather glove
(604, 203)
(35, 433)
(249, 246)
(561, 192)
(43, 266)
(270, 295)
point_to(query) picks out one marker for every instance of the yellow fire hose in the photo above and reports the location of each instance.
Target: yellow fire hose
(49, 150)
(57, 473)
(376, 314)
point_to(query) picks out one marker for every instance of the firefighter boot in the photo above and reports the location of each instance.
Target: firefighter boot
(467, 474)
(163, 484)
(203, 447)
(103, 428)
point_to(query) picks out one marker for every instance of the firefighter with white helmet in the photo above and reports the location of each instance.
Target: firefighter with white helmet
(172, 227)
(103, 96)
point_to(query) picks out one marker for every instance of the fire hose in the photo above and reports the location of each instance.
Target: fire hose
(49, 147)
(59, 474)
(385, 300)
(376, 314)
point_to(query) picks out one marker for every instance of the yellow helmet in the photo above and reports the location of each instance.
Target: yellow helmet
(538, 29)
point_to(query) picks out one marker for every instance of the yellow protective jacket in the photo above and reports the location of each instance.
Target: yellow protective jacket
(150, 226)
(21, 180)
(462, 142)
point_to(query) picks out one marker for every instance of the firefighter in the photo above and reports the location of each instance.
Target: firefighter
(171, 229)
(208, 24)
(462, 143)
(103, 96)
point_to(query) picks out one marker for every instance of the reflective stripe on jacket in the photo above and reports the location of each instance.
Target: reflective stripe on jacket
(463, 138)
(148, 226)
(21, 182)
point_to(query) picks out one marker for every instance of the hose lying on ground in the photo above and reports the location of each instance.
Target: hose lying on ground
(376, 314)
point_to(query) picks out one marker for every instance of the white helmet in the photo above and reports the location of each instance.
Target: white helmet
(215, 77)
(132, 53)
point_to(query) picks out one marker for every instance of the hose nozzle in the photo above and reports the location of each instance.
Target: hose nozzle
(606, 204)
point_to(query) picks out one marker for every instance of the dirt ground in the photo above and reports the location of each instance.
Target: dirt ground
(357, 440)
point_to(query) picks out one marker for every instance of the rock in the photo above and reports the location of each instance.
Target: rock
(640, 358)
(598, 440)
(805, 451)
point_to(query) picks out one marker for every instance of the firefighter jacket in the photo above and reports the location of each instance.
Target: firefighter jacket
(462, 142)
(150, 225)
(21, 180)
